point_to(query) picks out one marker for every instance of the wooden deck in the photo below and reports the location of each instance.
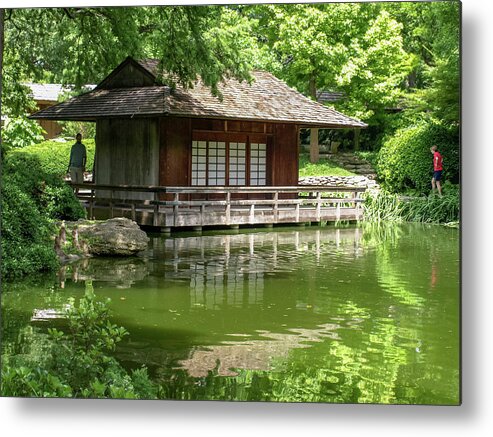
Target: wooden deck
(170, 208)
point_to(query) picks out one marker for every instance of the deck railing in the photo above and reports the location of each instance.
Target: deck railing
(273, 202)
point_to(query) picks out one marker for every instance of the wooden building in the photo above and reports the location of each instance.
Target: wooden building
(195, 159)
(46, 95)
(148, 133)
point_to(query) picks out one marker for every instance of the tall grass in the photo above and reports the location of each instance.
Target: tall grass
(432, 209)
(382, 207)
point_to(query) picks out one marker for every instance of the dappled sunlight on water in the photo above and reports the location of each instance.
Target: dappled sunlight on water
(356, 314)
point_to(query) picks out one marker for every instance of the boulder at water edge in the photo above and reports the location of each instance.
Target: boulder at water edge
(114, 237)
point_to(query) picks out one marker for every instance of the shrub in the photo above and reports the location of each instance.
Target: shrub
(31, 200)
(368, 156)
(31, 381)
(26, 232)
(405, 161)
(78, 362)
(59, 202)
(20, 132)
(54, 155)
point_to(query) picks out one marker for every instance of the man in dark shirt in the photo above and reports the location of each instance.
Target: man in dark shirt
(77, 163)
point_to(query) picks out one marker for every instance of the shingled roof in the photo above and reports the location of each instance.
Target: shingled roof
(265, 99)
(50, 92)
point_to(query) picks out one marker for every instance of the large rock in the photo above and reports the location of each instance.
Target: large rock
(114, 237)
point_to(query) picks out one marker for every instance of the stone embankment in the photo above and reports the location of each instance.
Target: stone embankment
(342, 181)
(353, 163)
(364, 178)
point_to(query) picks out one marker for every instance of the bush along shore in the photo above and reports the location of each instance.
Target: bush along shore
(43, 222)
(77, 360)
(33, 199)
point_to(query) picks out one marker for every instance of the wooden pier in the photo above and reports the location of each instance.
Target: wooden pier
(169, 208)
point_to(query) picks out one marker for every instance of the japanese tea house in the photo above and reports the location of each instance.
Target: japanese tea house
(149, 134)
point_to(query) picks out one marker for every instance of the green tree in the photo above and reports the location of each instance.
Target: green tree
(431, 33)
(354, 47)
(82, 45)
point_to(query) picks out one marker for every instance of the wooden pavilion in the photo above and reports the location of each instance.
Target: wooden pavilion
(149, 134)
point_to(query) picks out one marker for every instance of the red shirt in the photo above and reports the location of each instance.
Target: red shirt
(437, 161)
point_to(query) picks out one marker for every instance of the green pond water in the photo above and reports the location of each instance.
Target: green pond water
(366, 314)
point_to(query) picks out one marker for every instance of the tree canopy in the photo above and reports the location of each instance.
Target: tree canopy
(380, 55)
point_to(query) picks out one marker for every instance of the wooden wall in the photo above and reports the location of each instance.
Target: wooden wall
(285, 155)
(174, 152)
(127, 152)
(157, 151)
(176, 140)
(51, 127)
(128, 76)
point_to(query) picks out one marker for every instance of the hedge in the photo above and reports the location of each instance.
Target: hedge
(405, 161)
(54, 155)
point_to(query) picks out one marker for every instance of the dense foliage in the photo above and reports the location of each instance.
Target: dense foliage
(71, 128)
(54, 156)
(32, 198)
(405, 160)
(431, 32)
(396, 64)
(78, 46)
(20, 132)
(376, 53)
(76, 361)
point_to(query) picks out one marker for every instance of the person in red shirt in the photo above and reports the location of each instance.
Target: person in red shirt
(437, 170)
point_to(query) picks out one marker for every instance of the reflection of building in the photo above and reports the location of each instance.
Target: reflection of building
(253, 354)
(238, 281)
(230, 270)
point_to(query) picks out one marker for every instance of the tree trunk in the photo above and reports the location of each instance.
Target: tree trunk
(314, 146)
(313, 87)
(357, 131)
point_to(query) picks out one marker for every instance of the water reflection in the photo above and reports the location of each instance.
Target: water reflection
(122, 273)
(368, 314)
(253, 354)
(218, 263)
